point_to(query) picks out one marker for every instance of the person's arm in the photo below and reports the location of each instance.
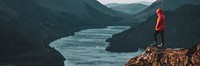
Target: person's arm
(159, 21)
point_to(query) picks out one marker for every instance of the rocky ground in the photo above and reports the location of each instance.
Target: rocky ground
(155, 56)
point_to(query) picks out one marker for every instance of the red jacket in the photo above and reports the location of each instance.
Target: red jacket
(160, 25)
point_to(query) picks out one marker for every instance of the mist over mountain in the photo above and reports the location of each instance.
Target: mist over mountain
(145, 3)
(110, 5)
(28, 26)
(127, 8)
(182, 30)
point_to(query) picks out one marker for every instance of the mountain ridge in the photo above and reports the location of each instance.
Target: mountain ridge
(167, 5)
(128, 8)
(28, 26)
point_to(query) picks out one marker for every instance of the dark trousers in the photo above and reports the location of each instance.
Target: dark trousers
(161, 35)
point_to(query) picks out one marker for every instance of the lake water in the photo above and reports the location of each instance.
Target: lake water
(87, 48)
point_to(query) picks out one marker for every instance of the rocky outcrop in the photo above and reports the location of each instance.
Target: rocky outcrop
(182, 24)
(154, 56)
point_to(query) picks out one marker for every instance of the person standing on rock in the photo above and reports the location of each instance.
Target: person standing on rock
(160, 27)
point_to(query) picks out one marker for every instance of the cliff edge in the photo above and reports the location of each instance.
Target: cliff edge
(155, 56)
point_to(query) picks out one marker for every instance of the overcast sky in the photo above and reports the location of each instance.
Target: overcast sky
(122, 1)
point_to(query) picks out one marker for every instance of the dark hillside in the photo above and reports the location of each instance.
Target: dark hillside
(182, 30)
(28, 26)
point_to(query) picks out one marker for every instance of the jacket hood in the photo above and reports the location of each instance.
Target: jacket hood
(159, 11)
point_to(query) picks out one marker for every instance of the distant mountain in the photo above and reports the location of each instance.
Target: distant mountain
(109, 5)
(28, 26)
(82, 8)
(167, 5)
(182, 30)
(145, 3)
(127, 8)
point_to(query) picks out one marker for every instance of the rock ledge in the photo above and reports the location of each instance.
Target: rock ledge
(155, 56)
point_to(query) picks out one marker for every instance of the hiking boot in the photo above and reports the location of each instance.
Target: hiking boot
(161, 45)
(154, 44)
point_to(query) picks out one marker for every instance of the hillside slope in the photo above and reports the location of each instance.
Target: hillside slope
(81, 8)
(128, 8)
(28, 26)
(182, 24)
(167, 5)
